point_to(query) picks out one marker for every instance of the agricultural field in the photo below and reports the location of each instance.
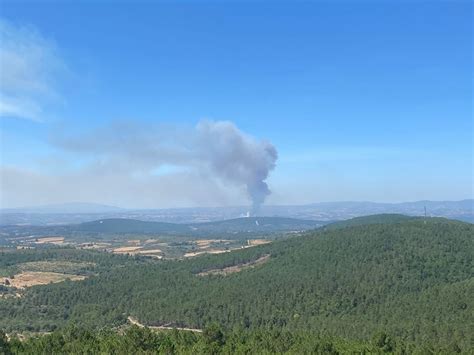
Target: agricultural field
(160, 247)
(35, 261)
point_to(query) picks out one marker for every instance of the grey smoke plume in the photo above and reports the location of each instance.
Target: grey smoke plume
(213, 148)
(237, 157)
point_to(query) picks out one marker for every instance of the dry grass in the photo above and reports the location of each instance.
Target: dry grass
(51, 240)
(33, 278)
(255, 242)
(210, 251)
(150, 251)
(204, 243)
(125, 250)
(138, 250)
(195, 253)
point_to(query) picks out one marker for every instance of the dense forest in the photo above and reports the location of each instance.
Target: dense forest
(91, 262)
(213, 340)
(409, 278)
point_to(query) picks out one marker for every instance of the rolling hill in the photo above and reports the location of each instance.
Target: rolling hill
(74, 213)
(385, 218)
(410, 278)
(122, 226)
(238, 225)
(128, 226)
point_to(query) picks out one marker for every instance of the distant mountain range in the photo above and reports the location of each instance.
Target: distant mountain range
(323, 211)
(462, 210)
(71, 207)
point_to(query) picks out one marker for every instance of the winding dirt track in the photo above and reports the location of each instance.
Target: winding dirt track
(162, 327)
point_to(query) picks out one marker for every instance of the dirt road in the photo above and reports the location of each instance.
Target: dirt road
(162, 327)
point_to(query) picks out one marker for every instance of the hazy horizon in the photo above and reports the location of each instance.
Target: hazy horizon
(98, 204)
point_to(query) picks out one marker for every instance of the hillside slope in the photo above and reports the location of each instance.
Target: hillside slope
(411, 279)
(384, 218)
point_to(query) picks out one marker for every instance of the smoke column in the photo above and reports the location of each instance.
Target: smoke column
(237, 157)
(212, 148)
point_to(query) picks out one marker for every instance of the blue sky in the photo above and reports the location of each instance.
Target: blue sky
(363, 100)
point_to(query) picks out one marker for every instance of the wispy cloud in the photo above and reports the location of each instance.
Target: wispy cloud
(30, 68)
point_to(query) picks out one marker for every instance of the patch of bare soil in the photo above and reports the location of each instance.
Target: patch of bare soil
(255, 242)
(125, 250)
(150, 251)
(204, 243)
(194, 253)
(217, 251)
(208, 251)
(139, 250)
(50, 240)
(33, 278)
(236, 268)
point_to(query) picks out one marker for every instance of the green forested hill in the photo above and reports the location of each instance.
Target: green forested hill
(385, 218)
(256, 224)
(230, 226)
(123, 225)
(412, 279)
(135, 340)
